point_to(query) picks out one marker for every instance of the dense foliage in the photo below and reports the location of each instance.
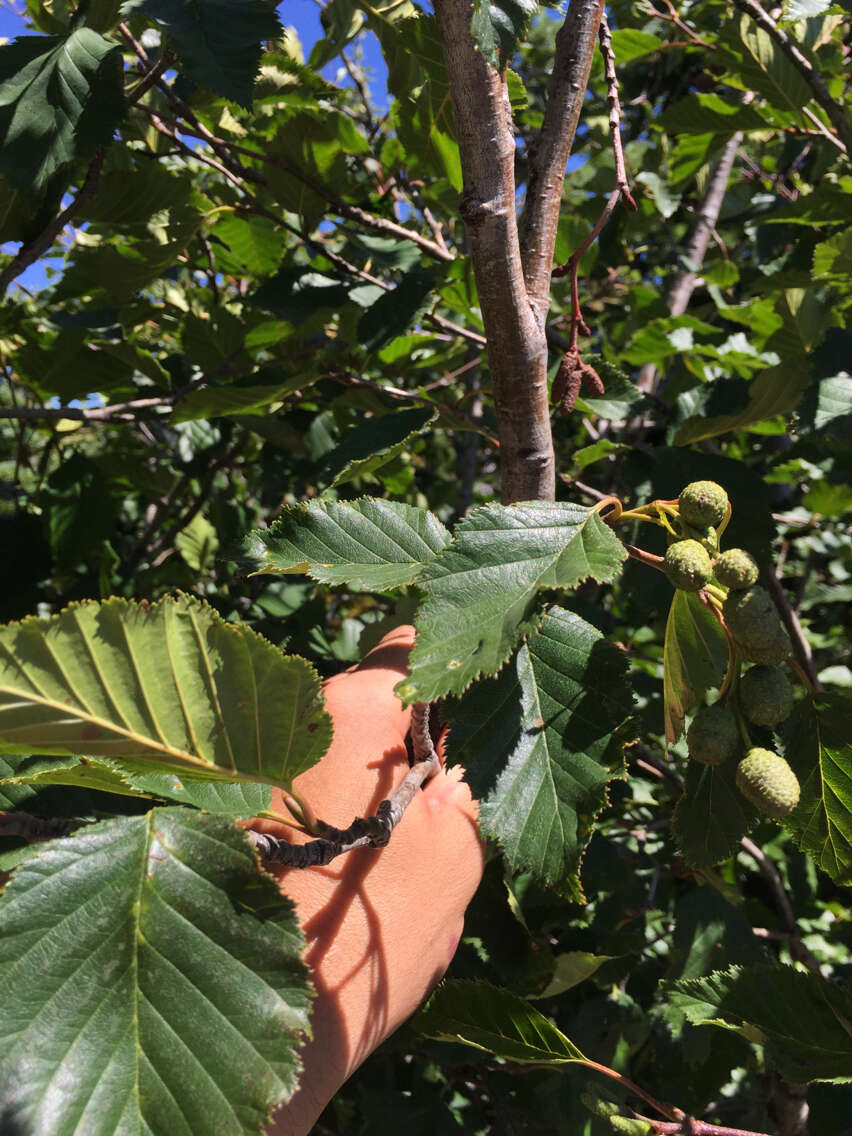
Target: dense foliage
(256, 374)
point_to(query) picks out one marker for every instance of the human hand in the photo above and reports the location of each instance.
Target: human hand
(381, 924)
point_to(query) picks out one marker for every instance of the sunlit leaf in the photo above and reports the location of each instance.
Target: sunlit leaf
(480, 592)
(172, 683)
(495, 1020)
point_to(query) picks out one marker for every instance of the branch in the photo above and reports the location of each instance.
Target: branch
(568, 392)
(119, 411)
(835, 112)
(696, 250)
(549, 152)
(33, 828)
(782, 902)
(801, 647)
(364, 832)
(29, 253)
(517, 348)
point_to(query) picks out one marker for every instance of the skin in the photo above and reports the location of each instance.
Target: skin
(381, 924)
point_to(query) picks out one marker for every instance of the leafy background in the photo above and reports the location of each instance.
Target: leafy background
(249, 307)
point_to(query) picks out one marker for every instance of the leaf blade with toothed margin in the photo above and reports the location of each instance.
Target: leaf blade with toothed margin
(170, 683)
(370, 544)
(480, 591)
(818, 746)
(541, 741)
(498, 1021)
(803, 1020)
(177, 966)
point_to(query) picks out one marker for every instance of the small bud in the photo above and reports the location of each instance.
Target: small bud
(703, 503)
(713, 736)
(687, 565)
(765, 778)
(736, 569)
(766, 695)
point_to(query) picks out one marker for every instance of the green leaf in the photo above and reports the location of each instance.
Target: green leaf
(197, 543)
(818, 745)
(804, 9)
(833, 258)
(60, 99)
(374, 442)
(750, 52)
(81, 773)
(151, 981)
(834, 399)
(480, 592)
(172, 683)
(712, 816)
(552, 725)
(219, 41)
(495, 1020)
(247, 247)
(572, 968)
(805, 1021)
(131, 192)
(371, 545)
(395, 311)
(133, 779)
(238, 799)
(629, 44)
(700, 113)
(498, 26)
(218, 402)
(778, 390)
(695, 658)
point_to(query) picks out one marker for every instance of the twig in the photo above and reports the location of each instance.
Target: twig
(673, 17)
(621, 183)
(621, 191)
(770, 873)
(364, 832)
(456, 329)
(30, 253)
(835, 113)
(801, 647)
(33, 828)
(550, 150)
(648, 558)
(689, 1126)
(168, 538)
(120, 411)
(705, 224)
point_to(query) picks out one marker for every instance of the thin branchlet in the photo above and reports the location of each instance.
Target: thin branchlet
(364, 832)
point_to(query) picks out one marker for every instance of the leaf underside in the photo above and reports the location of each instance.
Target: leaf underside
(171, 683)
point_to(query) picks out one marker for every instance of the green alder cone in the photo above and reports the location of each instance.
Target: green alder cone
(755, 626)
(713, 736)
(766, 695)
(765, 779)
(687, 565)
(702, 504)
(737, 569)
